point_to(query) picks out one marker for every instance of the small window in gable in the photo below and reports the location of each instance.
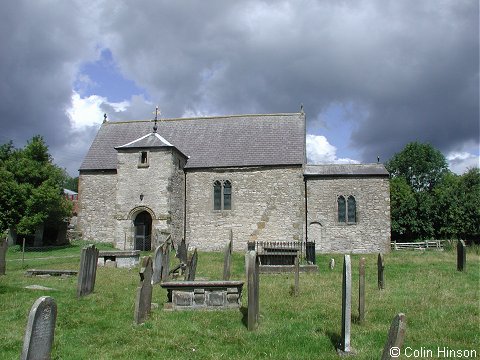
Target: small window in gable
(143, 160)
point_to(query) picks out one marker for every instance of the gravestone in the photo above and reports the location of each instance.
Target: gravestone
(461, 256)
(182, 252)
(381, 268)
(88, 270)
(191, 267)
(297, 276)
(346, 305)
(361, 291)
(165, 254)
(332, 264)
(227, 261)
(38, 340)
(396, 337)
(143, 302)
(3, 253)
(253, 278)
(157, 265)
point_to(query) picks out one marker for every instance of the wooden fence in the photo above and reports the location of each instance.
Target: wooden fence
(423, 245)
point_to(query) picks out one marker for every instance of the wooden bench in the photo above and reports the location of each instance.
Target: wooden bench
(203, 295)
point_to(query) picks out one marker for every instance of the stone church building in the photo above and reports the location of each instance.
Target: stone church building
(197, 178)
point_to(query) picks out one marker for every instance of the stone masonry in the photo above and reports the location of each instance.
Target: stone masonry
(97, 191)
(160, 183)
(267, 205)
(371, 232)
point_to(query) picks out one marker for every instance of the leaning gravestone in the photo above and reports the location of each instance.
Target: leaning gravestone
(143, 302)
(166, 258)
(381, 268)
(157, 265)
(253, 278)
(38, 340)
(182, 252)
(3, 253)
(346, 305)
(192, 267)
(361, 291)
(227, 260)
(88, 270)
(461, 256)
(396, 337)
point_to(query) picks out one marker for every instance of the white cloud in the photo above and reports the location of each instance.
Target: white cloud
(320, 151)
(459, 162)
(87, 111)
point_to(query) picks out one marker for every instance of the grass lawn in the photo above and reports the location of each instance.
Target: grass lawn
(442, 308)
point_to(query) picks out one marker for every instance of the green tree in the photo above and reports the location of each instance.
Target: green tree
(403, 208)
(415, 171)
(421, 165)
(31, 191)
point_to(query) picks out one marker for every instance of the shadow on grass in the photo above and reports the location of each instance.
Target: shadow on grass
(335, 339)
(244, 311)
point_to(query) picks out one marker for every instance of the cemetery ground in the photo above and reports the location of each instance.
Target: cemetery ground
(441, 304)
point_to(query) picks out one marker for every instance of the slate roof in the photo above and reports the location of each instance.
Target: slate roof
(226, 141)
(346, 170)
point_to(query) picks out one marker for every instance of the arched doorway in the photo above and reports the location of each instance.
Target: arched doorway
(143, 231)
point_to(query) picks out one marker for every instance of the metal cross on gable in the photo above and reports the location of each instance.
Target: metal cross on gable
(157, 113)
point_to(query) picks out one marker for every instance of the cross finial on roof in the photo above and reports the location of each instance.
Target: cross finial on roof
(157, 112)
(105, 117)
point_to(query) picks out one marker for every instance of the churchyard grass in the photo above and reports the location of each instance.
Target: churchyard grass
(441, 304)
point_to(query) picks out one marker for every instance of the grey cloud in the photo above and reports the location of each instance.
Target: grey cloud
(410, 67)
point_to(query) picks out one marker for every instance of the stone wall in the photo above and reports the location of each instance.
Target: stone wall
(160, 182)
(371, 232)
(267, 205)
(96, 205)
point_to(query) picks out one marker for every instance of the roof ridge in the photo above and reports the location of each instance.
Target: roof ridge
(203, 118)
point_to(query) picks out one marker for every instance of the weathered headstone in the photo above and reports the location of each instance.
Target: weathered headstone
(192, 267)
(396, 337)
(227, 260)
(381, 268)
(3, 253)
(143, 302)
(157, 265)
(182, 251)
(346, 305)
(253, 278)
(165, 259)
(332, 263)
(461, 256)
(297, 276)
(361, 291)
(88, 270)
(39, 334)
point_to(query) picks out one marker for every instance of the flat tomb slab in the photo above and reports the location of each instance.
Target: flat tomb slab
(34, 272)
(119, 258)
(203, 295)
(277, 269)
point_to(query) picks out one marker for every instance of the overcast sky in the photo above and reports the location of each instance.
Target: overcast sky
(372, 75)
